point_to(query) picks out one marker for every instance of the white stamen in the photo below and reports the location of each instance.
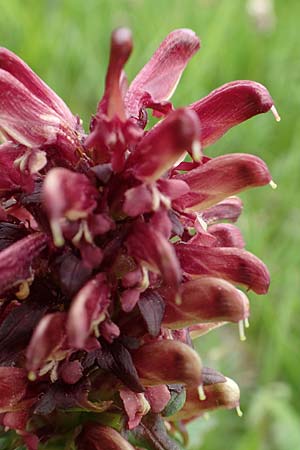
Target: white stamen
(165, 201)
(167, 425)
(202, 222)
(77, 238)
(201, 392)
(246, 322)
(96, 331)
(275, 113)
(87, 234)
(273, 184)
(196, 151)
(53, 373)
(239, 411)
(155, 199)
(241, 330)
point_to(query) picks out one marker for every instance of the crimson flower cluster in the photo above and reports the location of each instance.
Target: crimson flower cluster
(117, 251)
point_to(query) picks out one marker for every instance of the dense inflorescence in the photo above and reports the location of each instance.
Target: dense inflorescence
(116, 251)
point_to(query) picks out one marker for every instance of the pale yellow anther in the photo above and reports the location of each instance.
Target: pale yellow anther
(246, 322)
(57, 234)
(31, 376)
(178, 299)
(241, 330)
(201, 392)
(273, 184)
(239, 411)
(275, 113)
(196, 151)
(23, 291)
(145, 279)
(202, 222)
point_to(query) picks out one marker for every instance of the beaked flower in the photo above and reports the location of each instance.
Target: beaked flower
(114, 253)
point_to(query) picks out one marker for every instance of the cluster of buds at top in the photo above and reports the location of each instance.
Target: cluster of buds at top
(114, 252)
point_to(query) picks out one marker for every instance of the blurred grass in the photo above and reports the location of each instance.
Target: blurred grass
(66, 43)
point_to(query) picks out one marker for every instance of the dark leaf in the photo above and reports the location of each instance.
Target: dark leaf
(152, 308)
(117, 359)
(17, 327)
(10, 233)
(71, 273)
(62, 396)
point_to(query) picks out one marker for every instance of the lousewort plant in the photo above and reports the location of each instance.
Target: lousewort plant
(115, 254)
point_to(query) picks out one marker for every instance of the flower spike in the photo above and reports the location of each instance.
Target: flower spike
(115, 252)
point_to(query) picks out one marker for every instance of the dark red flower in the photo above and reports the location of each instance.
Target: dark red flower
(114, 254)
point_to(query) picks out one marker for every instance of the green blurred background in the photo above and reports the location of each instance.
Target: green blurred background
(66, 43)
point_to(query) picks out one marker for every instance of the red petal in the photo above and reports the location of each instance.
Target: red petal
(228, 209)
(87, 310)
(160, 76)
(225, 394)
(164, 144)
(67, 195)
(23, 117)
(233, 264)
(221, 177)
(172, 188)
(227, 235)
(22, 72)
(203, 300)
(167, 362)
(16, 260)
(151, 248)
(129, 299)
(228, 106)
(48, 338)
(158, 397)
(138, 200)
(135, 405)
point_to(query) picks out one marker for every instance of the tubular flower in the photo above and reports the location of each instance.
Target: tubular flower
(113, 254)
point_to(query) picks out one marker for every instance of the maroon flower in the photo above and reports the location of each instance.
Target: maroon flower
(113, 254)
